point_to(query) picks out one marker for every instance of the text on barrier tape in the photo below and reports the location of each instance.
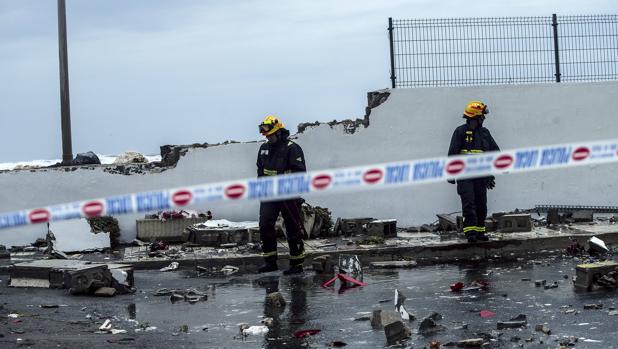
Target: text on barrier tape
(401, 173)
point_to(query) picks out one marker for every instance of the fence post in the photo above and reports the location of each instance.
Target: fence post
(390, 39)
(554, 23)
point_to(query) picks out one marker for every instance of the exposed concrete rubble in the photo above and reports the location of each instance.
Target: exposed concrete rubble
(374, 99)
(76, 276)
(130, 157)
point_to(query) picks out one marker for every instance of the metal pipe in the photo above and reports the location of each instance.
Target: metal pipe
(390, 38)
(554, 23)
(65, 106)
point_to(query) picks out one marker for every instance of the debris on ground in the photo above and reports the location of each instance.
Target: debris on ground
(171, 267)
(471, 343)
(393, 264)
(517, 322)
(486, 314)
(597, 246)
(305, 333)
(381, 318)
(323, 264)
(542, 328)
(247, 330)
(275, 300)
(4, 253)
(105, 292)
(396, 332)
(400, 308)
(429, 325)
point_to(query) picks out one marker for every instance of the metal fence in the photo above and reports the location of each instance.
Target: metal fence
(478, 51)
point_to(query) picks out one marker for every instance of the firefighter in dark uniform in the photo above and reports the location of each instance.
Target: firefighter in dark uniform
(277, 156)
(472, 138)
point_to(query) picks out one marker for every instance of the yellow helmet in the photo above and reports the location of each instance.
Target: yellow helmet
(475, 108)
(270, 125)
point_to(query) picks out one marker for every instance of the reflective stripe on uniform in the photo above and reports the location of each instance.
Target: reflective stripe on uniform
(474, 228)
(300, 256)
(471, 151)
(268, 172)
(269, 254)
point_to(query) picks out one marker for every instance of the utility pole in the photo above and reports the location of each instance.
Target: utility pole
(65, 106)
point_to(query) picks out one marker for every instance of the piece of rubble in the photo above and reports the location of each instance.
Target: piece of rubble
(593, 306)
(105, 292)
(597, 245)
(429, 326)
(539, 283)
(613, 313)
(511, 324)
(305, 333)
(255, 330)
(229, 270)
(396, 332)
(323, 264)
(400, 308)
(447, 222)
(393, 264)
(542, 328)
(381, 318)
(171, 267)
(486, 314)
(550, 286)
(4, 253)
(471, 343)
(275, 300)
(107, 325)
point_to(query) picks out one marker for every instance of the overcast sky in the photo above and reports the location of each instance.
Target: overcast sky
(144, 73)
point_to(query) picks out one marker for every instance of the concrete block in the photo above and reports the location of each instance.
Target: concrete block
(172, 230)
(323, 265)
(512, 223)
(381, 318)
(396, 332)
(582, 216)
(586, 273)
(386, 228)
(353, 226)
(4, 253)
(447, 222)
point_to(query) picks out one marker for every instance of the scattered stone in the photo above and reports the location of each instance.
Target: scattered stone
(568, 341)
(511, 324)
(470, 343)
(593, 306)
(396, 332)
(105, 292)
(569, 311)
(393, 264)
(553, 285)
(381, 318)
(275, 300)
(539, 283)
(323, 265)
(363, 318)
(520, 317)
(171, 267)
(49, 306)
(542, 328)
(429, 326)
(613, 313)
(338, 344)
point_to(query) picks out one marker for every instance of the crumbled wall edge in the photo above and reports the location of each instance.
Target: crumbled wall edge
(171, 154)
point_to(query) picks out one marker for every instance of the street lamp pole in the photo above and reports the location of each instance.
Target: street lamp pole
(65, 106)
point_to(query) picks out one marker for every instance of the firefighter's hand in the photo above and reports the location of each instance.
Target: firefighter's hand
(452, 181)
(491, 182)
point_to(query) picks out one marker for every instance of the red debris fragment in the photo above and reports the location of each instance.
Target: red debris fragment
(487, 314)
(305, 333)
(456, 287)
(342, 278)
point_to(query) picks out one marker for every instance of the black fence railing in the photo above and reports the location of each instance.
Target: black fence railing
(512, 50)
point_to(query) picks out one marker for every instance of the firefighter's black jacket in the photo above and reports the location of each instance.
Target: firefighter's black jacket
(468, 141)
(282, 156)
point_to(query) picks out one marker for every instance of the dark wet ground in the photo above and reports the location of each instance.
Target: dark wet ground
(240, 299)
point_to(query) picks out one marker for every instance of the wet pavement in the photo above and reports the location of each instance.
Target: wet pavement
(154, 321)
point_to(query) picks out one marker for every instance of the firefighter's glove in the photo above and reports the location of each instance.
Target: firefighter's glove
(491, 182)
(452, 181)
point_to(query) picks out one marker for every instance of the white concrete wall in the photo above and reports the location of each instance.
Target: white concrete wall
(412, 123)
